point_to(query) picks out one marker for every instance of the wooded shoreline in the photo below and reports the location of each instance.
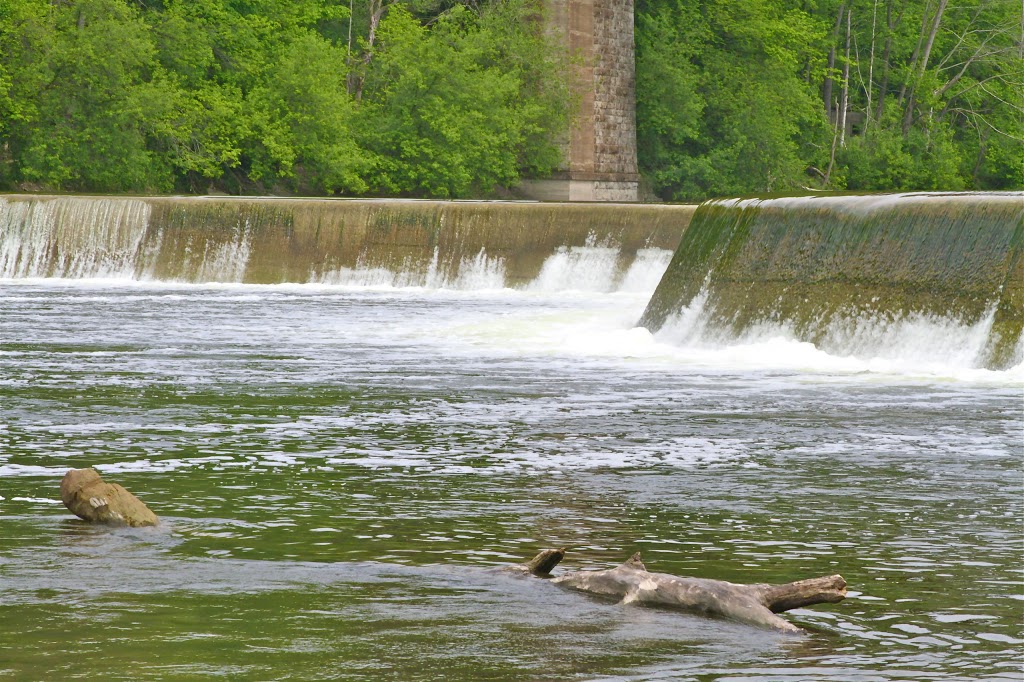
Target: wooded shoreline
(442, 100)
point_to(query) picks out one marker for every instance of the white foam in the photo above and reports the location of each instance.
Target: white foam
(224, 261)
(72, 237)
(11, 470)
(480, 273)
(646, 271)
(600, 325)
(160, 465)
(473, 273)
(917, 345)
(579, 268)
(565, 455)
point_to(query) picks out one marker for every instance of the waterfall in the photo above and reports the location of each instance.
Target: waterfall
(72, 238)
(929, 275)
(400, 243)
(887, 276)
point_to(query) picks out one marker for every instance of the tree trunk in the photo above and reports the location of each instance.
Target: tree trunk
(871, 67)
(826, 92)
(377, 9)
(908, 114)
(757, 605)
(884, 88)
(845, 102)
(912, 64)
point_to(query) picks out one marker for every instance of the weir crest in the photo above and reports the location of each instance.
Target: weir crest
(400, 243)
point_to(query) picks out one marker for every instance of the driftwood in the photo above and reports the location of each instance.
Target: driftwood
(91, 498)
(632, 583)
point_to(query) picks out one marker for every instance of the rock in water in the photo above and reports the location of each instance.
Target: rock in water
(89, 497)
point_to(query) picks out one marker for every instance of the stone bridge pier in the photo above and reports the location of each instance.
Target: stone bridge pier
(600, 161)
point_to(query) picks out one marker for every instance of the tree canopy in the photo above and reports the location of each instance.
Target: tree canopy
(277, 96)
(461, 98)
(747, 96)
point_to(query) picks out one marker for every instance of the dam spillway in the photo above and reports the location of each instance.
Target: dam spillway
(828, 269)
(269, 240)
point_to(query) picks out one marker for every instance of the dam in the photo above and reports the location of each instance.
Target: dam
(350, 417)
(846, 273)
(827, 269)
(263, 241)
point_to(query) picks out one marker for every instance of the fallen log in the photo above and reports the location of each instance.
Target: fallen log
(632, 583)
(90, 498)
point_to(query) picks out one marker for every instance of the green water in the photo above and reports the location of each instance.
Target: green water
(342, 472)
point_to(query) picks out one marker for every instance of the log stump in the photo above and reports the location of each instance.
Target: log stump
(90, 498)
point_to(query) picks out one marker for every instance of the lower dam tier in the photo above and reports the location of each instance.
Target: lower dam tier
(270, 240)
(831, 270)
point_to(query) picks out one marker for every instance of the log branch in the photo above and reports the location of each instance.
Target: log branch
(830, 589)
(542, 564)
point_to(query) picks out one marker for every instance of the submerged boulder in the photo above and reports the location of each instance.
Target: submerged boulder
(91, 498)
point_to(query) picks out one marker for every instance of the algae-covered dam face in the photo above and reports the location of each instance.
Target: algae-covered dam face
(833, 269)
(264, 241)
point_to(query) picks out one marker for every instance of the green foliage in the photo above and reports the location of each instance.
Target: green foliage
(449, 112)
(257, 95)
(78, 126)
(923, 159)
(442, 98)
(729, 95)
(721, 105)
(302, 122)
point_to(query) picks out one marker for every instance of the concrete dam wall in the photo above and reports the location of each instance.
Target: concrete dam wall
(823, 269)
(267, 240)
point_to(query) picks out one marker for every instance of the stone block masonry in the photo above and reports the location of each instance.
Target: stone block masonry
(601, 160)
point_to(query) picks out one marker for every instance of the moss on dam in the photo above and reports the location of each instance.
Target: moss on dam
(815, 262)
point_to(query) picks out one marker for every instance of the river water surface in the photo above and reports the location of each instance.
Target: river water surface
(341, 470)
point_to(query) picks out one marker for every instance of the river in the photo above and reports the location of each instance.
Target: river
(342, 470)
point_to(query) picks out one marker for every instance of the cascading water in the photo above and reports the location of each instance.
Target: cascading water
(371, 408)
(932, 278)
(359, 243)
(73, 238)
(917, 278)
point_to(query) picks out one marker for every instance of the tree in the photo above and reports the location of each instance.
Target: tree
(303, 122)
(459, 108)
(77, 125)
(752, 122)
(915, 94)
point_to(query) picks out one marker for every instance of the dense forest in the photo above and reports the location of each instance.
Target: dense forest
(743, 96)
(438, 98)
